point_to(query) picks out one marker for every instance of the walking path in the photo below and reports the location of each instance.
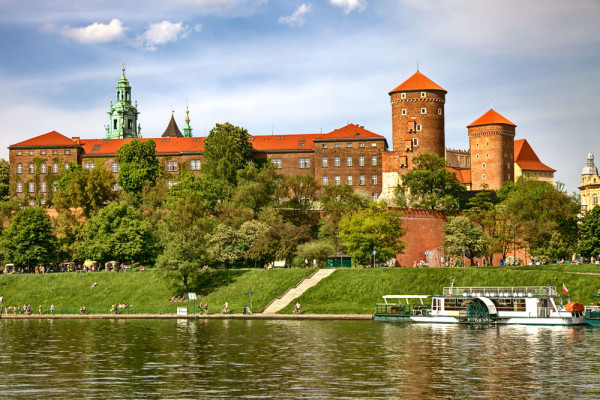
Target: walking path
(192, 316)
(297, 291)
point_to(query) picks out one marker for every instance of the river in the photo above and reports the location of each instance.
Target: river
(290, 359)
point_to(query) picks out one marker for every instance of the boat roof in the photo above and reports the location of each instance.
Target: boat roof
(405, 296)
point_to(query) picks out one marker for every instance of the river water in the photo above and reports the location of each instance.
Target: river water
(73, 359)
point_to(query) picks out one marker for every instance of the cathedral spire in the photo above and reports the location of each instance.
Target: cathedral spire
(123, 123)
(187, 130)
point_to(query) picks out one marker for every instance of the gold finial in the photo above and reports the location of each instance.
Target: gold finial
(123, 69)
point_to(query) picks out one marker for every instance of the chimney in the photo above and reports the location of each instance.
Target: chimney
(76, 139)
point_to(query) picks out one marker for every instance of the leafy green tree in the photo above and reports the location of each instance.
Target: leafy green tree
(29, 240)
(121, 233)
(90, 190)
(314, 250)
(250, 232)
(256, 186)
(462, 237)
(4, 179)
(589, 234)
(429, 185)
(69, 233)
(225, 245)
(298, 193)
(226, 150)
(185, 234)
(279, 242)
(538, 209)
(138, 165)
(374, 228)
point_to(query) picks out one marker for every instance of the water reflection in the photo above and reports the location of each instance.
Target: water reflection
(293, 359)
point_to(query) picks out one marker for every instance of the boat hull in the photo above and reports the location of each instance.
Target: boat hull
(553, 321)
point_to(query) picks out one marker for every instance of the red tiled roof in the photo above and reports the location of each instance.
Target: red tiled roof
(489, 118)
(350, 131)
(526, 158)
(163, 145)
(46, 140)
(463, 175)
(418, 82)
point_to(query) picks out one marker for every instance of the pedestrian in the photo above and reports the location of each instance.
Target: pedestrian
(52, 309)
(244, 308)
(314, 263)
(206, 308)
(40, 309)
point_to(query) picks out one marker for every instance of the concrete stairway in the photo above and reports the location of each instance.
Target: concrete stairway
(296, 291)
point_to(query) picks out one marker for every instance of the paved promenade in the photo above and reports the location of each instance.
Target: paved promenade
(191, 316)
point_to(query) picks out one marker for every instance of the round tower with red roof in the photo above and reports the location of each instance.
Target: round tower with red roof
(491, 140)
(418, 117)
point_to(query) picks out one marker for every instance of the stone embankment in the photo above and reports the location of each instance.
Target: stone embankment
(271, 316)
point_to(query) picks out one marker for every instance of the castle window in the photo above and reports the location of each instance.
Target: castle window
(402, 95)
(19, 153)
(54, 152)
(373, 144)
(482, 176)
(304, 163)
(373, 179)
(487, 156)
(31, 168)
(19, 168)
(423, 111)
(419, 127)
(594, 199)
(337, 145)
(348, 145)
(43, 187)
(374, 196)
(89, 165)
(373, 160)
(508, 177)
(116, 187)
(31, 153)
(439, 111)
(349, 161)
(31, 187)
(361, 161)
(337, 180)
(42, 152)
(43, 168)
(172, 166)
(336, 161)
(423, 94)
(19, 187)
(477, 145)
(483, 165)
(114, 167)
(415, 142)
(476, 155)
(55, 168)
(349, 180)
(129, 124)
(67, 152)
(404, 111)
(324, 162)
(361, 145)
(195, 165)
(115, 124)
(324, 146)
(66, 166)
(361, 180)
(325, 180)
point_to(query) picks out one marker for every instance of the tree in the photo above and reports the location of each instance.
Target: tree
(298, 192)
(4, 179)
(225, 245)
(90, 190)
(186, 231)
(137, 165)
(256, 186)
(29, 240)
(226, 150)
(429, 185)
(118, 232)
(538, 209)
(279, 242)
(462, 237)
(315, 250)
(589, 234)
(374, 228)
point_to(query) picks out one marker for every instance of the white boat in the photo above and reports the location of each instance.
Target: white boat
(531, 305)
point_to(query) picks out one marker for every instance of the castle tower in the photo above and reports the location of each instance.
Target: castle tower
(123, 115)
(187, 130)
(491, 141)
(418, 117)
(590, 185)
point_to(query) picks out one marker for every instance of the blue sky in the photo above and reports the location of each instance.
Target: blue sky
(304, 66)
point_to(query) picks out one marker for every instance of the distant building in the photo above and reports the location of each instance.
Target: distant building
(590, 185)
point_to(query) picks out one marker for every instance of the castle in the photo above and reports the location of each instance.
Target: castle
(349, 155)
(590, 185)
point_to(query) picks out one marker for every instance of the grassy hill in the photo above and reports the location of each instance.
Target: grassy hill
(346, 291)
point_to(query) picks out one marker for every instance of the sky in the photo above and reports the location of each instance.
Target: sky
(290, 67)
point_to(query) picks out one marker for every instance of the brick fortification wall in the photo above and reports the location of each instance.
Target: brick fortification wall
(423, 234)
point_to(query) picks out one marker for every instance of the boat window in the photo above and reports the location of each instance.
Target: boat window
(510, 304)
(453, 304)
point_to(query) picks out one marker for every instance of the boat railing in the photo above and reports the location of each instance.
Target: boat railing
(544, 312)
(592, 308)
(501, 291)
(401, 309)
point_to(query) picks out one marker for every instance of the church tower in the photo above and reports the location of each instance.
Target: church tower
(590, 185)
(492, 144)
(187, 130)
(123, 115)
(418, 117)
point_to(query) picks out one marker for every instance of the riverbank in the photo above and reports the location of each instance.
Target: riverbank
(336, 317)
(346, 292)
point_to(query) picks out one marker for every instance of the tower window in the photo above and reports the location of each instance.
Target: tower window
(419, 127)
(483, 165)
(415, 142)
(423, 111)
(423, 94)
(402, 95)
(404, 111)
(439, 111)
(115, 124)
(129, 124)
(482, 176)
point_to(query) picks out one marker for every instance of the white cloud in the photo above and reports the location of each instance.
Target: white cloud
(162, 33)
(96, 32)
(297, 18)
(350, 5)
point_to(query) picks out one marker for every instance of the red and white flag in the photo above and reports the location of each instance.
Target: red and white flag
(564, 289)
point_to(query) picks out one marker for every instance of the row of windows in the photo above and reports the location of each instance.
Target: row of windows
(31, 187)
(348, 145)
(43, 168)
(423, 111)
(43, 152)
(337, 180)
(403, 95)
(349, 161)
